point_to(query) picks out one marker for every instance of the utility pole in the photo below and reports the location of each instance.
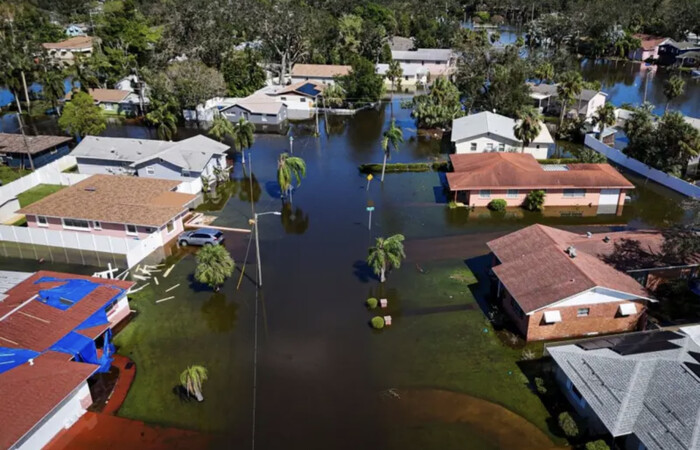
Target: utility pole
(26, 143)
(257, 242)
(291, 145)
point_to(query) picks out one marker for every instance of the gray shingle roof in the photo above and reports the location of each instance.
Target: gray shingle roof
(469, 127)
(551, 90)
(653, 395)
(422, 54)
(191, 154)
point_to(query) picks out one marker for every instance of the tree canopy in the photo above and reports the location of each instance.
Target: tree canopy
(81, 117)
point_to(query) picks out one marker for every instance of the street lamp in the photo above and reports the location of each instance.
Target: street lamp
(291, 145)
(257, 242)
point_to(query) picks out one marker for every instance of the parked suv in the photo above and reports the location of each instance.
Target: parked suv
(202, 236)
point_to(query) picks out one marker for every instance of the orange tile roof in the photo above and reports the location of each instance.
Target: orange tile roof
(105, 95)
(521, 170)
(319, 70)
(73, 43)
(115, 199)
(537, 272)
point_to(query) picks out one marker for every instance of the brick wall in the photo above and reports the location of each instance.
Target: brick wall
(603, 318)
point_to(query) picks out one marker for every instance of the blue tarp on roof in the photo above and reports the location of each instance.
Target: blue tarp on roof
(77, 345)
(13, 357)
(65, 295)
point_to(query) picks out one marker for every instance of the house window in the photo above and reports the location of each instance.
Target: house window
(185, 173)
(485, 193)
(131, 230)
(583, 312)
(407, 77)
(512, 193)
(303, 99)
(574, 193)
(473, 146)
(150, 170)
(96, 225)
(41, 221)
(501, 147)
(170, 227)
(75, 224)
(283, 98)
(489, 147)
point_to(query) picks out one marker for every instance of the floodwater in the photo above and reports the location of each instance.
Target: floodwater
(317, 380)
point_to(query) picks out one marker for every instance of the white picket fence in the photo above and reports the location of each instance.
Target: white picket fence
(644, 170)
(51, 173)
(134, 250)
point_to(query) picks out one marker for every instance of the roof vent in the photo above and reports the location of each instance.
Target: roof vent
(90, 189)
(571, 251)
(589, 234)
(31, 361)
(606, 239)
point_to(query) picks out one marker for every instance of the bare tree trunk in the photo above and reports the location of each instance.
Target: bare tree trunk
(283, 69)
(19, 107)
(384, 167)
(382, 275)
(26, 91)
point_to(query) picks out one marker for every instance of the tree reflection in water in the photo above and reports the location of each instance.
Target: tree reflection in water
(294, 220)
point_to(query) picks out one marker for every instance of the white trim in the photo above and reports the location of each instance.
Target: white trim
(43, 225)
(69, 227)
(96, 225)
(628, 309)
(129, 233)
(559, 302)
(552, 316)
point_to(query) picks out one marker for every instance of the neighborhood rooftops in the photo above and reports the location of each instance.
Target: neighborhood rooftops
(649, 42)
(319, 70)
(422, 54)
(643, 383)
(74, 43)
(191, 154)
(544, 90)
(499, 170)
(304, 88)
(488, 123)
(410, 70)
(15, 143)
(258, 104)
(115, 199)
(105, 95)
(538, 272)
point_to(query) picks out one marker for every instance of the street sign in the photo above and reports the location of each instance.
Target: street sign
(369, 177)
(370, 208)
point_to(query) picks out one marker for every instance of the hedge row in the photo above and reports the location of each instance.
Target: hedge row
(405, 167)
(558, 161)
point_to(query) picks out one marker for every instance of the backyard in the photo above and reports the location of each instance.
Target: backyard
(10, 174)
(37, 193)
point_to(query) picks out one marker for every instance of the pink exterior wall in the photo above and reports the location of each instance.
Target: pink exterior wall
(554, 197)
(108, 229)
(119, 312)
(179, 228)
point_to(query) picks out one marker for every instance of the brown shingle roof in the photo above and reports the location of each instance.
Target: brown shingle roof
(15, 143)
(521, 170)
(537, 272)
(30, 392)
(105, 95)
(319, 70)
(73, 43)
(115, 199)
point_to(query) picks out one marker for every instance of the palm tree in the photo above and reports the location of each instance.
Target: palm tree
(243, 136)
(392, 138)
(528, 126)
(334, 96)
(394, 74)
(544, 72)
(164, 120)
(221, 128)
(214, 265)
(385, 254)
(192, 378)
(52, 86)
(569, 87)
(83, 74)
(288, 168)
(604, 117)
(673, 87)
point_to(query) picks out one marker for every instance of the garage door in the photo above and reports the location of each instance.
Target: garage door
(609, 196)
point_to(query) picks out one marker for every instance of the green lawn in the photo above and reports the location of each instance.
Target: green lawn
(433, 344)
(37, 193)
(9, 174)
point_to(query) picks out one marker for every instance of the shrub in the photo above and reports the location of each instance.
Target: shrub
(452, 204)
(372, 303)
(497, 204)
(483, 16)
(377, 322)
(568, 425)
(396, 167)
(535, 201)
(540, 386)
(597, 445)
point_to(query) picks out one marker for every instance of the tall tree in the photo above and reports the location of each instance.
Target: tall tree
(439, 107)
(214, 265)
(387, 253)
(673, 87)
(192, 380)
(604, 117)
(544, 72)
(362, 84)
(528, 126)
(221, 128)
(243, 136)
(283, 27)
(290, 168)
(569, 87)
(164, 120)
(81, 117)
(193, 83)
(52, 85)
(394, 74)
(243, 73)
(392, 138)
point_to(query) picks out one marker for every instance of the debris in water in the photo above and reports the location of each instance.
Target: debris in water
(165, 299)
(172, 287)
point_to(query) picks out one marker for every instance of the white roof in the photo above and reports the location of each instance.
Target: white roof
(628, 309)
(470, 127)
(694, 122)
(259, 104)
(408, 69)
(552, 316)
(422, 54)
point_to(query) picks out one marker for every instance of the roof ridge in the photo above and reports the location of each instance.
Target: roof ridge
(628, 395)
(556, 245)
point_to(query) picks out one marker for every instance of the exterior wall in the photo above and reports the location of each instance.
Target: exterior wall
(39, 159)
(165, 170)
(119, 312)
(406, 81)
(514, 314)
(595, 103)
(554, 197)
(603, 318)
(108, 229)
(235, 112)
(179, 227)
(537, 150)
(324, 80)
(68, 55)
(92, 166)
(65, 415)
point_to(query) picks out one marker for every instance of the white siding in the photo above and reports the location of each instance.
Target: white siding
(595, 296)
(544, 151)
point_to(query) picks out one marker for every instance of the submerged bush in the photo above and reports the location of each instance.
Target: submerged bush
(535, 200)
(452, 204)
(377, 322)
(597, 445)
(568, 425)
(540, 386)
(497, 204)
(371, 303)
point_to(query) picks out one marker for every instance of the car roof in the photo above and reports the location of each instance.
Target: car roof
(207, 231)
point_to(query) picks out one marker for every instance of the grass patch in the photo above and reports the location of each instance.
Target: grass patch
(37, 193)
(438, 166)
(21, 222)
(10, 174)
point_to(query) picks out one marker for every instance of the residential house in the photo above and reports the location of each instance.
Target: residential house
(552, 288)
(412, 75)
(16, 150)
(545, 98)
(260, 109)
(671, 52)
(65, 51)
(75, 29)
(689, 59)
(116, 101)
(56, 333)
(438, 62)
(649, 49)
(479, 178)
(322, 73)
(207, 111)
(643, 389)
(490, 132)
(114, 205)
(401, 43)
(186, 160)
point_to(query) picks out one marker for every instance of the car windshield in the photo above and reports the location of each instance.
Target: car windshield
(218, 234)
